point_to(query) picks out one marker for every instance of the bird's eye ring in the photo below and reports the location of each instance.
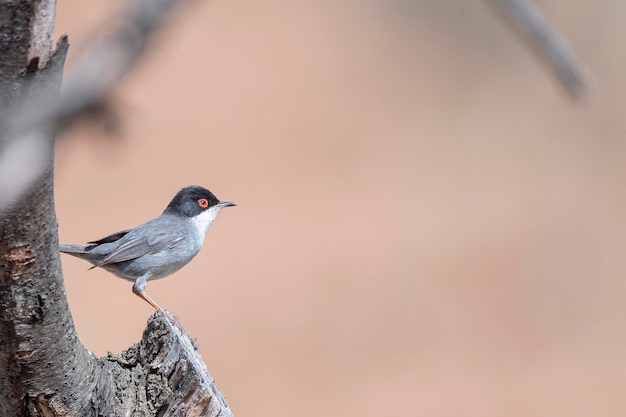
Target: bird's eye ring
(203, 202)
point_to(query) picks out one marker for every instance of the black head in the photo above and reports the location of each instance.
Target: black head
(191, 201)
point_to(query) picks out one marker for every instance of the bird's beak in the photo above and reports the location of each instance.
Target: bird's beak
(226, 204)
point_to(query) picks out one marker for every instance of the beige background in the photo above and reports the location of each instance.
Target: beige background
(427, 225)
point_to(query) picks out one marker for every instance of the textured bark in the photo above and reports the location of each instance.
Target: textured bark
(162, 375)
(44, 369)
(166, 372)
(38, 344)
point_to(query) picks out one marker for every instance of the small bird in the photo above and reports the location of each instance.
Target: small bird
(158, 247)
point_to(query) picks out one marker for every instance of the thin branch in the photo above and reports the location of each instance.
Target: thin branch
(109, 58)
(101, 65)
(527, 20)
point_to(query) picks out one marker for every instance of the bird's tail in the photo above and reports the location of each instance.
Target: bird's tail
(76, 250)
(84, 252)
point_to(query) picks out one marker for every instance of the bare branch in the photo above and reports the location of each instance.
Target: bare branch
(178, 381)
(94, 73)
(529, 21)
(108, 59)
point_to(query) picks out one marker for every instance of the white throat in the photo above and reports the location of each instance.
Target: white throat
(202, 221)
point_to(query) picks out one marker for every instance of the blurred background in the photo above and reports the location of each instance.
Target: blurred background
(427, 225)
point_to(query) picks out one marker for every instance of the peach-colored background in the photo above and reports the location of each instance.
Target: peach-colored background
(427, 225)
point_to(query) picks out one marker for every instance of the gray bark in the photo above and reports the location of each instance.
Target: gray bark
(44, 369)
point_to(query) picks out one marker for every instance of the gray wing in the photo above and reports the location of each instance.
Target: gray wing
(135, 245)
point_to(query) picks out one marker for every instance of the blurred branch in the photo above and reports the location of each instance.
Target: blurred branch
(108, 59)
(101, 65)
(528, 21)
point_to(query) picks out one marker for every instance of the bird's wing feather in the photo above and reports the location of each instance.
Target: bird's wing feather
(111, 238)
(133, 246)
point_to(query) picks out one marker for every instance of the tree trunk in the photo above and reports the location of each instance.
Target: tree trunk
(44, 369)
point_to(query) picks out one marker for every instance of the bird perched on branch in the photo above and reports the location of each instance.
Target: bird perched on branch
(158, 247)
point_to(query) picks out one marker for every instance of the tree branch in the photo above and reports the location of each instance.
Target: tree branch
(108, 59)
(39, 347)
(100, 66)
(177, 380)
(528, 21)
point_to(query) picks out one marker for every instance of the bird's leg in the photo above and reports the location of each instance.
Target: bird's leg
(138, 289)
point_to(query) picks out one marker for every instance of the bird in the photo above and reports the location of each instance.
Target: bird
(159, 247)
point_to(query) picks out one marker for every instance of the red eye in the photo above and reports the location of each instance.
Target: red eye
(203, 202)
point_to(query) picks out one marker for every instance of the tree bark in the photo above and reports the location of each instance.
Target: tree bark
(38, 344)
(44, 369)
